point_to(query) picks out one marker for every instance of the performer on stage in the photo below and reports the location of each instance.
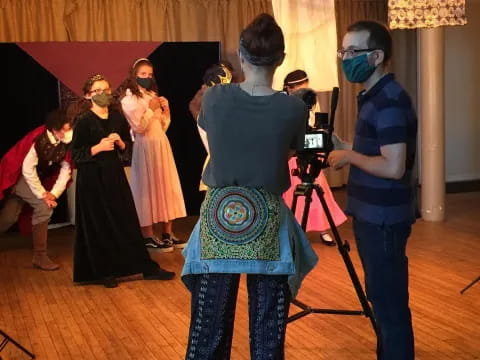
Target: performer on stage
(220, 73)
(108, 240)
(154, 181)
(35, 172)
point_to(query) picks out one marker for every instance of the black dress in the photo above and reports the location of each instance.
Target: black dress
(108, 240)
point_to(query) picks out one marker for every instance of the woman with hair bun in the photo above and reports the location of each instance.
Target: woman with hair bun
(245, 227)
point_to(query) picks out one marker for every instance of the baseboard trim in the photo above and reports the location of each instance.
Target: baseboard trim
(59, 225)
(451, 187)
(462, 186)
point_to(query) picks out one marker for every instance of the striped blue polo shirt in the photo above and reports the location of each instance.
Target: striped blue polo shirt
(385, 116)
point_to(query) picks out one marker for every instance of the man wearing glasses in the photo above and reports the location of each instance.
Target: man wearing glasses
(380, 194)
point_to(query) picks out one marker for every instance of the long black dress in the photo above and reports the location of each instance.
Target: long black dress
(108, 240)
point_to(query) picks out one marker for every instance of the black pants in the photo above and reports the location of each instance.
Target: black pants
(214, 297)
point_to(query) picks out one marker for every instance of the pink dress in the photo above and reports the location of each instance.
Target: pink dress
(154, 180)
(317, 221)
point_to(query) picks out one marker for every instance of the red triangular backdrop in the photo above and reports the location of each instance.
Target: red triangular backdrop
(74, 62)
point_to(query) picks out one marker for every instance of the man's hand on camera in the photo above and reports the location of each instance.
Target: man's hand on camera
(339, 144)
(338, 159)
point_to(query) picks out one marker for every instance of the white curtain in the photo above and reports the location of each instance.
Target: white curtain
(310, 39)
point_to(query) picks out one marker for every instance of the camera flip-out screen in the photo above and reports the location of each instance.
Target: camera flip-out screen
(315, 141)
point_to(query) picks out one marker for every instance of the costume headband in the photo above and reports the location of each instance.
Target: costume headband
(296, 81)
(97, 77)
(138, 60)
(258, 60)
(227, 79)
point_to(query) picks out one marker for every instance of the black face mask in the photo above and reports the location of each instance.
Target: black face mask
(146, 83)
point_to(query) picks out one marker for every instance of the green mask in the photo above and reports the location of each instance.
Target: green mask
(103, 99)
(357, 69)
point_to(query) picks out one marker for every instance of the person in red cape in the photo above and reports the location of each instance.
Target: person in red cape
(35, 172)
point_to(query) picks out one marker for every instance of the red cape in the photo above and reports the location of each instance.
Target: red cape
(11, 169)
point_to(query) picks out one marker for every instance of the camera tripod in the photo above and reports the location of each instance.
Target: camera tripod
(469, 285)
(306, 189)
(7, 339)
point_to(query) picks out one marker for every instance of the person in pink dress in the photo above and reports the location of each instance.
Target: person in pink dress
(317, 220)
(154, 179)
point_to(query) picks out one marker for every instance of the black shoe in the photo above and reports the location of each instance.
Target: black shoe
(163, 245)
(154, 243)
(327, 240)
(110, 282)
(159, 274)
(172, 240)
(150, 243)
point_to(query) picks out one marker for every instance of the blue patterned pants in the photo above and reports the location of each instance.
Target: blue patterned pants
(214, 297)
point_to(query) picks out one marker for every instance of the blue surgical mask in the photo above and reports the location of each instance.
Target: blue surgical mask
(357, 69)
(146, 83)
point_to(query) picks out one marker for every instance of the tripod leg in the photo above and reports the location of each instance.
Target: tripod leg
(470, 285)
(344, 248)
(306, 208)
(294, 202)
(3, 343)
(306, 191)
(8, 339)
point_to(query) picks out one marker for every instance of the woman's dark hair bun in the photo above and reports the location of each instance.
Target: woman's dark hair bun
(263, 37)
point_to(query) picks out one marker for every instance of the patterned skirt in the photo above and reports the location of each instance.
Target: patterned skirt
(240, 223)
(248, 230)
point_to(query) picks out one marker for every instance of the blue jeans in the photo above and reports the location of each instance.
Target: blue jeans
(214, 297)
(382, 252)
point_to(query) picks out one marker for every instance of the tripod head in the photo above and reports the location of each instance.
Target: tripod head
(318, 144)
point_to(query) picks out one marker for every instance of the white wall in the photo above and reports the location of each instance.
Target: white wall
(462, 97)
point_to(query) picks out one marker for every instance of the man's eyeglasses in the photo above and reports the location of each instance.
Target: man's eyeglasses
(351, 52)
(100, 91)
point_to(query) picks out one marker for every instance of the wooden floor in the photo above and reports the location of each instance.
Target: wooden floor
(149, 320)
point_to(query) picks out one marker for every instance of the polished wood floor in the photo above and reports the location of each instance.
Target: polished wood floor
(149, 320)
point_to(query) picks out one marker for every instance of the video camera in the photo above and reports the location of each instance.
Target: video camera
(318, 138)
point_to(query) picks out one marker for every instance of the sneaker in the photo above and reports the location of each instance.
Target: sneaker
(150, 243)
(159, 274)
(162, 245)
(177, 243)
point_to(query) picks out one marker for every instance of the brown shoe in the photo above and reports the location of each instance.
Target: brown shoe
(40, 258)
(43, 262)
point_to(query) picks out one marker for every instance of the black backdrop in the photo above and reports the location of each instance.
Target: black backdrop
(28, 92)
(179, 68)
